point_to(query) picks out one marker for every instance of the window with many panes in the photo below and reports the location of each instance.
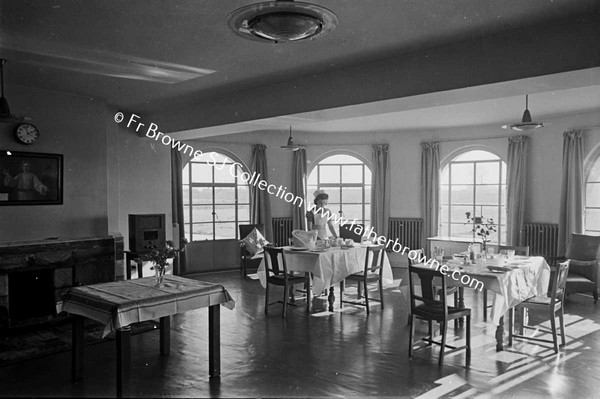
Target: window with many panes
(592, 199)
(475, 182)
(347, 180)
(215, 201)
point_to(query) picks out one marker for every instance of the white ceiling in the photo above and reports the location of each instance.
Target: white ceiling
(139, 54)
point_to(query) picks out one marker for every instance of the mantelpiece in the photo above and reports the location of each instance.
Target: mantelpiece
(49, 263)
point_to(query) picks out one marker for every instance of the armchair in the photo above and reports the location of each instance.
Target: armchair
(247, 261)
(584, 253)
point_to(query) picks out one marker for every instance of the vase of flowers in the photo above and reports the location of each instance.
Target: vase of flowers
(482, 227)
(160, 258)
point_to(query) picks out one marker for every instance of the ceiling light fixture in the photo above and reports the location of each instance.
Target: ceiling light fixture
(5, 115)
(526, 122)
(290, 144)
(281, 21)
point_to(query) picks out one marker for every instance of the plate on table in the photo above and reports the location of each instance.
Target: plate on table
(498, 269)
(318, 250)
(299, 248)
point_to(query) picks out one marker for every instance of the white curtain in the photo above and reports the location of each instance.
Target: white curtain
(380, 189)
(260, 204)
(572, 186)
(430, 189)
(299, 189)
(518, 149)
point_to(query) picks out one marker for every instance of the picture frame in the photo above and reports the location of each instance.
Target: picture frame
(29, 178)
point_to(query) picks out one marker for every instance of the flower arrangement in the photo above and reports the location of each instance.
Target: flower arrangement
(160, 257)
(481, 227)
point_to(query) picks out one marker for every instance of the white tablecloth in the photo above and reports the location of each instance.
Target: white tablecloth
(329, 267)
(530, 278)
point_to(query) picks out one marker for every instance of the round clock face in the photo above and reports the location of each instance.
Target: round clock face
(26, 133)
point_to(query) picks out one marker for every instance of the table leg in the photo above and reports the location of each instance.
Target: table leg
(78, 343)
(331, 299)
(214, 341)
(165, 335)
(500, 335)
(123, 357)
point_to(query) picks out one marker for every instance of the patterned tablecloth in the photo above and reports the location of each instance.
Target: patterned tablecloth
(119, 304)
(329, 267)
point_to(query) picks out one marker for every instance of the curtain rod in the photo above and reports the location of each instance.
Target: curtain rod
(472, 138)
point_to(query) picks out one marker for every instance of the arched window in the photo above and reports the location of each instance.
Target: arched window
(592, 199)
(475, 182)
(215, 201)
(347, 180)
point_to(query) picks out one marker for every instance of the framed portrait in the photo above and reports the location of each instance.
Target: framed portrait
(28, 178)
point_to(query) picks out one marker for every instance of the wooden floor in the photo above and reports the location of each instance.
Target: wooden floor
(339, 354)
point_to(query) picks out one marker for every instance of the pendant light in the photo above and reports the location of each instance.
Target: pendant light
(5, 115)
(526, 122)
(290, 144)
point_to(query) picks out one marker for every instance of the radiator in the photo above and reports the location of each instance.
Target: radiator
(282, 231)
(542, 239)
(408, 231)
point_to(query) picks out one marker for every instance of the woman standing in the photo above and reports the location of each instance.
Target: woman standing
(320, 217)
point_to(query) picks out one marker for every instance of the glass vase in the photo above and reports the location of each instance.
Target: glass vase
(159, 274)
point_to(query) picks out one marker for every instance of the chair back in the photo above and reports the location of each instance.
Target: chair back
(245, 229)
(347, 231)
(272, 261)
(425, 301)
(521, 251)
(419, 254)
(374, 259)
(583, 247)
(558, 290)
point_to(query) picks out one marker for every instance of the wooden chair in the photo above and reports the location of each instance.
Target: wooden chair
(553, 304)
(277, 274)
(371, 274)
(584, 253)
(521, 251)
(449, 290)
(347, 231)
(246, 258)
(426, 306)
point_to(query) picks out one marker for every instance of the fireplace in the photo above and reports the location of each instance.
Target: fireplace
(30, 294)
(35, 275)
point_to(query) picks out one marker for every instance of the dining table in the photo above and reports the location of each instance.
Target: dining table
(119, 304)
(513, 281)
(329, 266)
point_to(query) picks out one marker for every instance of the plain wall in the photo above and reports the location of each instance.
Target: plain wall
(73, 126)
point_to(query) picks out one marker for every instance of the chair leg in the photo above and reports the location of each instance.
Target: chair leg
(342, 283)
(411, 321)
(554, 337)
(267, 299)
(285, 300)
(430, 331)
(562, 326)
(381, 291)
(366, 296)
(484, 305)
(468, 337)
(456, 321)
(510, 326)
(444, 328)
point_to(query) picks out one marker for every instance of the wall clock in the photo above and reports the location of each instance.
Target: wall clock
(26, 133)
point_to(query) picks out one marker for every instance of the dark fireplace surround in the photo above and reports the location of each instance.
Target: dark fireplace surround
(35, 274)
